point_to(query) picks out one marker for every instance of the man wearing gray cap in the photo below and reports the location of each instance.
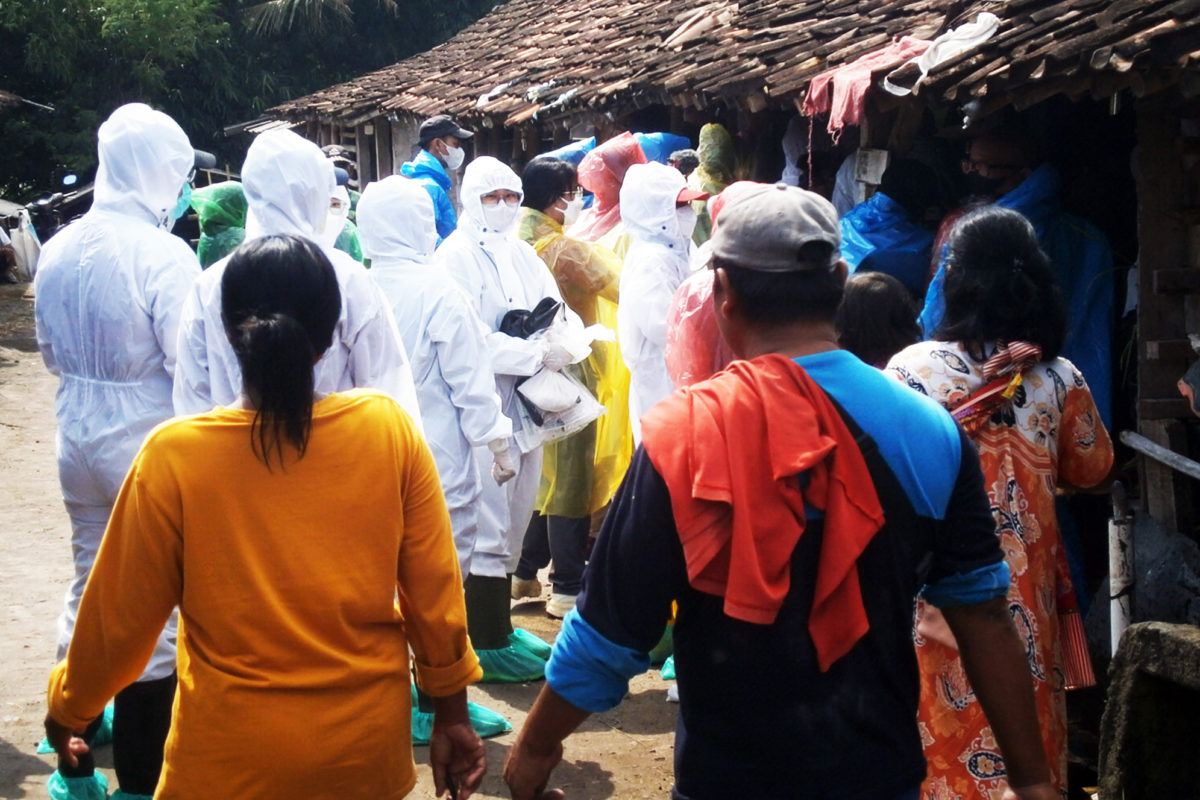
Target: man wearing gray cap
(441, 140)
(793, 505)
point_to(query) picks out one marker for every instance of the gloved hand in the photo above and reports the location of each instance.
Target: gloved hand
(504, 468)
(556, 357)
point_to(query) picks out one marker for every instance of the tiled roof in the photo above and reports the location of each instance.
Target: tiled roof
(539, 58)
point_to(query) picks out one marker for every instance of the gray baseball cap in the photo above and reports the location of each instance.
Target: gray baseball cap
(765, 229)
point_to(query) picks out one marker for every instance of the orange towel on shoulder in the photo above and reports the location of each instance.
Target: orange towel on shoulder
(731, 450)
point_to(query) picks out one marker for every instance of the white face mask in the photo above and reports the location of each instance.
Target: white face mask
(686, 218)
(571, 212)
(500, 217)
(454, 157)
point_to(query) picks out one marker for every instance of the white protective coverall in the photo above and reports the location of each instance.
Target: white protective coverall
(500, 273)
(657, 262)
(109, 292)
(288, 183)
(445, 341)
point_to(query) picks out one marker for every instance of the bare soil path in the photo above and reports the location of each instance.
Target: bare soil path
(625, 753)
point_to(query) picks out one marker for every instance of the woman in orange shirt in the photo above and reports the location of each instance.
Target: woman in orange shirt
(307, 545)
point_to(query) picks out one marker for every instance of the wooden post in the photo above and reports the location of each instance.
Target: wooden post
(383, 149)
(1162, 243)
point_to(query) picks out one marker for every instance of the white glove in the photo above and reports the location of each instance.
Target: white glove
(504, 468)
(556, 357)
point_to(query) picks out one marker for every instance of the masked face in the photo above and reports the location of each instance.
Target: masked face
(454, 156)
(181, 205)
(501, 216)
(335, 221)
(570, 205)
(686, 217)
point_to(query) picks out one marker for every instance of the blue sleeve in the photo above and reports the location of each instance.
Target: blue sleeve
(969, 588)
(935, 305)
(444, 214)
(968, 565)
(589, 671)
(635, 570)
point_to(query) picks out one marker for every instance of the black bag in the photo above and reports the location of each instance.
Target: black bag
(523, 324)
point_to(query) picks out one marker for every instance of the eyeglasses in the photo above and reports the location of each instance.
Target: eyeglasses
(191, 176)
(573, 194)
(494, 198)
(985, 169)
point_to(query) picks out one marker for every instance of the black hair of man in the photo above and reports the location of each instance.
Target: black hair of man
(1000, 285)
(809, 293)
(544, 180)
(877, 317)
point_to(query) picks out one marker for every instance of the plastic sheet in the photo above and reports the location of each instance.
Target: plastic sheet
(573, 152)
(659, 146)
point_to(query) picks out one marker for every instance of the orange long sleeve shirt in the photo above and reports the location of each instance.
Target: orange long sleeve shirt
(300, 591)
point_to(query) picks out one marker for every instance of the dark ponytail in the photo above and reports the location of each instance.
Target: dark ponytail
(280, 303)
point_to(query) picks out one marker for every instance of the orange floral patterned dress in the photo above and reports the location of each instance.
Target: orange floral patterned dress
(1049, 432)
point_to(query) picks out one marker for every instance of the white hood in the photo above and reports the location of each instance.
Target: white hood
(144, 159)
(486, 174)
(396, 222)
(288, 183)
(648, 205)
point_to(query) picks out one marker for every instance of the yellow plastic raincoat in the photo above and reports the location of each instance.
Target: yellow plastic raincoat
(581, 473)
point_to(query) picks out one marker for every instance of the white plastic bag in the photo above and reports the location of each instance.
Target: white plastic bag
(28, 248)
(582, 410)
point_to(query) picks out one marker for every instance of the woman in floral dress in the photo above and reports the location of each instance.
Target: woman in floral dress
(994, 366)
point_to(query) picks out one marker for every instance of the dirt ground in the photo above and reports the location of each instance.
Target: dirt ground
(625, 753)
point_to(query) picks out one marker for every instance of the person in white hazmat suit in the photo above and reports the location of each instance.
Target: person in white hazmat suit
(658, 216)
(499, 273)
(109, 291)
(444, 340)
(288, 183)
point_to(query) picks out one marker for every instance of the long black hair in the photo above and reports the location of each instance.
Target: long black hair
(1000, 285)
(279, 303)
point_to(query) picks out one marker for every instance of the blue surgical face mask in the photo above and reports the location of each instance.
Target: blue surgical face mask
(181, 205)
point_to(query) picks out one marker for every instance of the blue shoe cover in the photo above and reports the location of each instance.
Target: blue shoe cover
(103, 734)
(93, 787)
(668, 669)
(528, 641)
(512, 664)
(120, 795)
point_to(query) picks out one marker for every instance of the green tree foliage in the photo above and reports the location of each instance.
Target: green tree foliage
(207, 63)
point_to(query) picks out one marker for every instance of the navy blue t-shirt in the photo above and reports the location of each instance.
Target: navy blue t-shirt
(757, 717)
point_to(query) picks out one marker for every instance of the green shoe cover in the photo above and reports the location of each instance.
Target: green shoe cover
(668, 669)
(534, 644)
(512, 664)
(103, 734)
(92, 787)
(486, 723)
(120, 795)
